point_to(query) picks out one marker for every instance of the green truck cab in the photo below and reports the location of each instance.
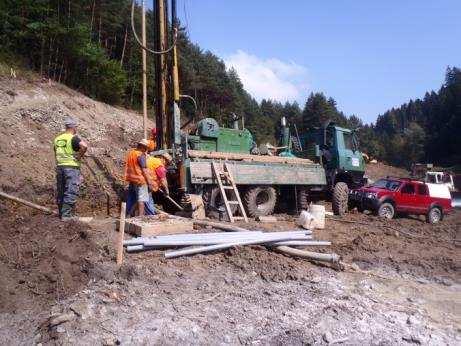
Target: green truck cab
(336, 149)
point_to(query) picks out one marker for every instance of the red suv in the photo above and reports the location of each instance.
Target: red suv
(401, 195)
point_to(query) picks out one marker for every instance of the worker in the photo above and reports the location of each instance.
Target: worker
(152, 141)
(138, 177)
(157, 170)
(69, 150)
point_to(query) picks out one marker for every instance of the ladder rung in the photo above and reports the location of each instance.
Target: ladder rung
(228, 187)
(239, 218)
(233, 202)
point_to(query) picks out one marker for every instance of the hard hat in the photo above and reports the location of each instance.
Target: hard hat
(153, 131)
(144, 142)
(70, 122)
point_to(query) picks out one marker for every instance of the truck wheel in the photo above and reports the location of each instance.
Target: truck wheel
(386, 210)
(340, 198)
(260, 200)
(434, 215)
(214, 204)
(303, 198)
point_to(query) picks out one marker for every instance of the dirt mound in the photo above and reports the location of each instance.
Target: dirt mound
(43, 259)
(32, 114)
(380, 170)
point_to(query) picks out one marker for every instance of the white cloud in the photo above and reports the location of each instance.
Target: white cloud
(269, 78)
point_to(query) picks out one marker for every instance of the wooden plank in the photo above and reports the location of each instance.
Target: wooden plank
(246, 157)
(245, 173)
(121, 235)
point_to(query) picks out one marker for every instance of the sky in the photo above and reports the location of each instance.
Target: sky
(369, 55)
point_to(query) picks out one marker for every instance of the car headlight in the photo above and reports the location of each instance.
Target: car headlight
(372, 195)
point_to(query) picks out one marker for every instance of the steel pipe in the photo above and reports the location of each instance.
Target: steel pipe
(167, 243)
(204, 249)
(137, 248)
(211, 236)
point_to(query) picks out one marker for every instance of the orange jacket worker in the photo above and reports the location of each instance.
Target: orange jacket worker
(137, 175)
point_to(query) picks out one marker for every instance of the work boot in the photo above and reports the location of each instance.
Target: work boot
(66, 212)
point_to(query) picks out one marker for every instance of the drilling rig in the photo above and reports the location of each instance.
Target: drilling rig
(217, 163)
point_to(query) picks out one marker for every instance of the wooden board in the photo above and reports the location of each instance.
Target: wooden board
(145, 226)
(246, 157)
(248, 173)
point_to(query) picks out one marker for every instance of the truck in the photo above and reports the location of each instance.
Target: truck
(336, 149)
(320, 160)
(262, 180)
(442, 178)
(391, 195)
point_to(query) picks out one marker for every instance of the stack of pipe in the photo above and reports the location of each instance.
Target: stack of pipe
(206, 242)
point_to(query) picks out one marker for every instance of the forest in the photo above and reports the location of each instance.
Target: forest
(88, 45)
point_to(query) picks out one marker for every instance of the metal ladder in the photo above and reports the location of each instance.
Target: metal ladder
(226, 182)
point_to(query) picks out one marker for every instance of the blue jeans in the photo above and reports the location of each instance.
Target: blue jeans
(133, 198)
(68, 182)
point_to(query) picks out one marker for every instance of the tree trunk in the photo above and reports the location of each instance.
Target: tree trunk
(124, 47)
(99, 29)
(92, 17)
(68, 15)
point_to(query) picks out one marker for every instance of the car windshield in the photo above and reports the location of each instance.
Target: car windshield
(387, 184)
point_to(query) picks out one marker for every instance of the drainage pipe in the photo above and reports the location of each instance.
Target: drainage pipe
(323, 257)
(203, 249)
(191, 242)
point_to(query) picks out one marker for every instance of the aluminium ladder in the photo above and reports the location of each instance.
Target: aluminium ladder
(226, 182)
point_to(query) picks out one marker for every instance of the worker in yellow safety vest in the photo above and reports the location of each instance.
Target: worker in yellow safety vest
(69, 150)
(157, 170)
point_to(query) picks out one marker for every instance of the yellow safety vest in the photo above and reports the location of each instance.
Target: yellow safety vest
(152, 164)
(64, 151)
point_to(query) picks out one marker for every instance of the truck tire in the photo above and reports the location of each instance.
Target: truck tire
(386, 210)
(214, 204)
(434, 215)
(340, 198)
(260, 200)
(303, 198)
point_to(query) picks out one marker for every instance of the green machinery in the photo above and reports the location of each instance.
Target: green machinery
(211, 137)
(323, 159)
(261, 179)
(336, 149)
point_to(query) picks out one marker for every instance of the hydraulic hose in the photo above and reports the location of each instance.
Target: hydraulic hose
(175, 35)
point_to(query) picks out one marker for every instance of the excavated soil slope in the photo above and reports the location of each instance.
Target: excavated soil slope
(32, 114)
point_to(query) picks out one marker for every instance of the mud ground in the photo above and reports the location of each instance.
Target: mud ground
(396, 289)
